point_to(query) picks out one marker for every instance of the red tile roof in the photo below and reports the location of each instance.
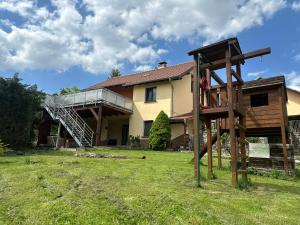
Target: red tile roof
(172, 72)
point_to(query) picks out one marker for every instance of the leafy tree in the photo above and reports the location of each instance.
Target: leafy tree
(115, 72)
(69, 90)
(20, 107)
(160, 132)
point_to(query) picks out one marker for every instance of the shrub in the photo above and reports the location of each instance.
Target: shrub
(160, 132)
(134, 141)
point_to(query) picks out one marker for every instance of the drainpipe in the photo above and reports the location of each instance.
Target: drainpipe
(172, 97)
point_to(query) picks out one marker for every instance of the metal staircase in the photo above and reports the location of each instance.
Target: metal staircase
(294, 127)
(69, 118)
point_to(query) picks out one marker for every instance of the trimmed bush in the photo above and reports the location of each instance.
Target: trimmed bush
(160, 132)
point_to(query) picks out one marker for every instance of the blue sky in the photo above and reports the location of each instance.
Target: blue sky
(57, 44)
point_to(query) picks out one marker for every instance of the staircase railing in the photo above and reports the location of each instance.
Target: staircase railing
(294, 127)
(76, 126)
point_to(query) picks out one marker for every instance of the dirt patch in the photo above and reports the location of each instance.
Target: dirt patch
(99, 155)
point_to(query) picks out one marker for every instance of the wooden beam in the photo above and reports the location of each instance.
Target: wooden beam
(219, 149)
(236, 48)
(208, 78)
(184, 133)
(237, 77)
(236, 59)
(196, 123)
(209, 149)
(57, 144)
(98, 128)
(217, 78)
(94, 113)
(242, 120)
(233, 152)
(283, 132)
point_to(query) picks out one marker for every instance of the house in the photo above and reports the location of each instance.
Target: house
(166, 88)
(119, 107)
(293, 109)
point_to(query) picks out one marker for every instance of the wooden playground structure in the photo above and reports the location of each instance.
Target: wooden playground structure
(236, 110)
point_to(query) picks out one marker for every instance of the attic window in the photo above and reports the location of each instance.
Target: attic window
(259, 100)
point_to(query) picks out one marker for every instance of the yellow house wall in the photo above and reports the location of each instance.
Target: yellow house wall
(176, 130)
(148, 111)
(182, 103)
(293, 105)
(183, 97)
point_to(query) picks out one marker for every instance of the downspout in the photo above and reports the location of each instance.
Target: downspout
(172, 98)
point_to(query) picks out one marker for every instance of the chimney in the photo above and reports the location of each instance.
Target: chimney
(162, 64)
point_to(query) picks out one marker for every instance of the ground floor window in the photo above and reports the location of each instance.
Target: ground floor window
(147, 127)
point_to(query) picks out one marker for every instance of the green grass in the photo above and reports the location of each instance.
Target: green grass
(58, 188)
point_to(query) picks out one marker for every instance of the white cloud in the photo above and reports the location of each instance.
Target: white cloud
(257, 73)
(21, 7)
(296, 5)
(293, 80)
(112, 33)
(297, 57)
(143, 68)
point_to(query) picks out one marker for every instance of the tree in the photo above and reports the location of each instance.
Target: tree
(69, 90)
(160, 132)
(20, 107)
(115, 72)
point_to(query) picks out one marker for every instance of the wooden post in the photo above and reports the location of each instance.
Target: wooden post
(98, 128)
(184, 134)
(65, 137)
(219, 150)
(234, 175)
(242, 122)
(196, 108)
(283, 132)
(208, 79)
(58, 136)
(209, 149)
(243, 149)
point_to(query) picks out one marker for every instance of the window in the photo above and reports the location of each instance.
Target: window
(259, 100)
(147, 127)
(150, 94)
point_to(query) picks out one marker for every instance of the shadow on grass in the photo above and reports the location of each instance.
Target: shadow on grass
(6, 162)
(278, 188)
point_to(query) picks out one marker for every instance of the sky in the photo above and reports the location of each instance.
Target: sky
(62, 43)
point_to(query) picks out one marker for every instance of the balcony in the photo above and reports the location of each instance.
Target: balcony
(94, 97)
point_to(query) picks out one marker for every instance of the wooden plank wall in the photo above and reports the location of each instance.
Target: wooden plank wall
(256, 117)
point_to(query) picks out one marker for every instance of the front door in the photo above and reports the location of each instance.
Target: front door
(125, 131)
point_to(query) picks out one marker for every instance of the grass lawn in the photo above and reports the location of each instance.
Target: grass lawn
(59, 188)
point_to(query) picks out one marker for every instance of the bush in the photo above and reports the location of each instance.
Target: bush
(134, 141)
(160, 132)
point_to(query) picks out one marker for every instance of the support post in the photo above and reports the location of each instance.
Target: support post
(58, 136)
(98, 128)
(283, 131)
(219, 150)
(234, 175)
(184, 134)
(196, 119)
(242, 120)
(209, 149)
